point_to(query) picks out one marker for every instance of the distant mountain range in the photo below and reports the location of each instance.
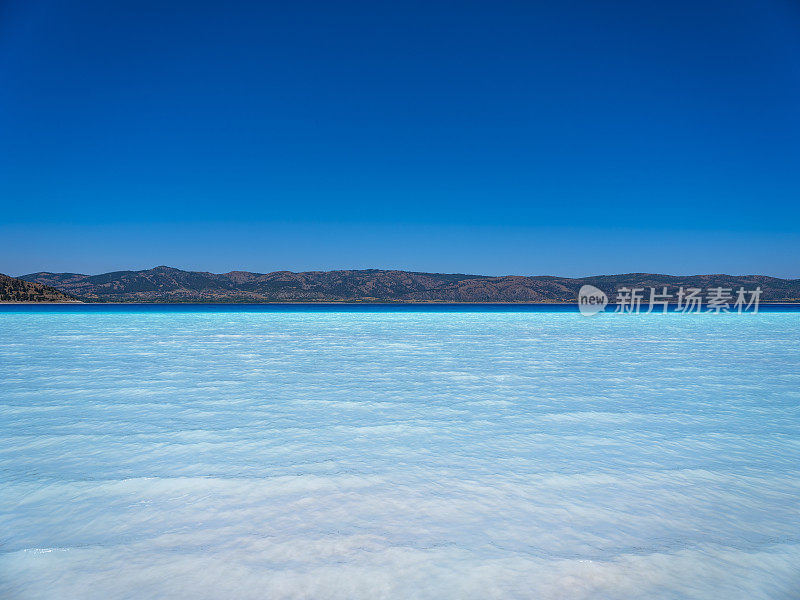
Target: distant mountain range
(18, 290)
(167, 284)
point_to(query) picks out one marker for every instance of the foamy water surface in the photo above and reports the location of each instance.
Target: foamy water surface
(394, 455)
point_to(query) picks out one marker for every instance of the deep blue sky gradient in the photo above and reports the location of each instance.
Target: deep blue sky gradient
(567, 138)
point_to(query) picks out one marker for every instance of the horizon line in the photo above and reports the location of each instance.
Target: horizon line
(403, 271)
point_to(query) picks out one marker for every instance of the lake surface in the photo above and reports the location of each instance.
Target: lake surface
(213, 453)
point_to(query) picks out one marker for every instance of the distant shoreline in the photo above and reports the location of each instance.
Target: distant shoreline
(335, 303)
(168, 285)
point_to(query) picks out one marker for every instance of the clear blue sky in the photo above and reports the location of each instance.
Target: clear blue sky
(525, 137)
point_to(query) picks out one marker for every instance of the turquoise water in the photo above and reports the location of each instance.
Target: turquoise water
(398, 454)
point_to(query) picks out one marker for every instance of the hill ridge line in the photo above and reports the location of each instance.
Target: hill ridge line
(169, 284)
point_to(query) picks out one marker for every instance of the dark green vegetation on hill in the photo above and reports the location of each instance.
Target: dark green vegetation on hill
(19, 290)
(166, 284)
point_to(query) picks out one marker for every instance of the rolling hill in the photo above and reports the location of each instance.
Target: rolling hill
(13, 289)
(167, 284)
